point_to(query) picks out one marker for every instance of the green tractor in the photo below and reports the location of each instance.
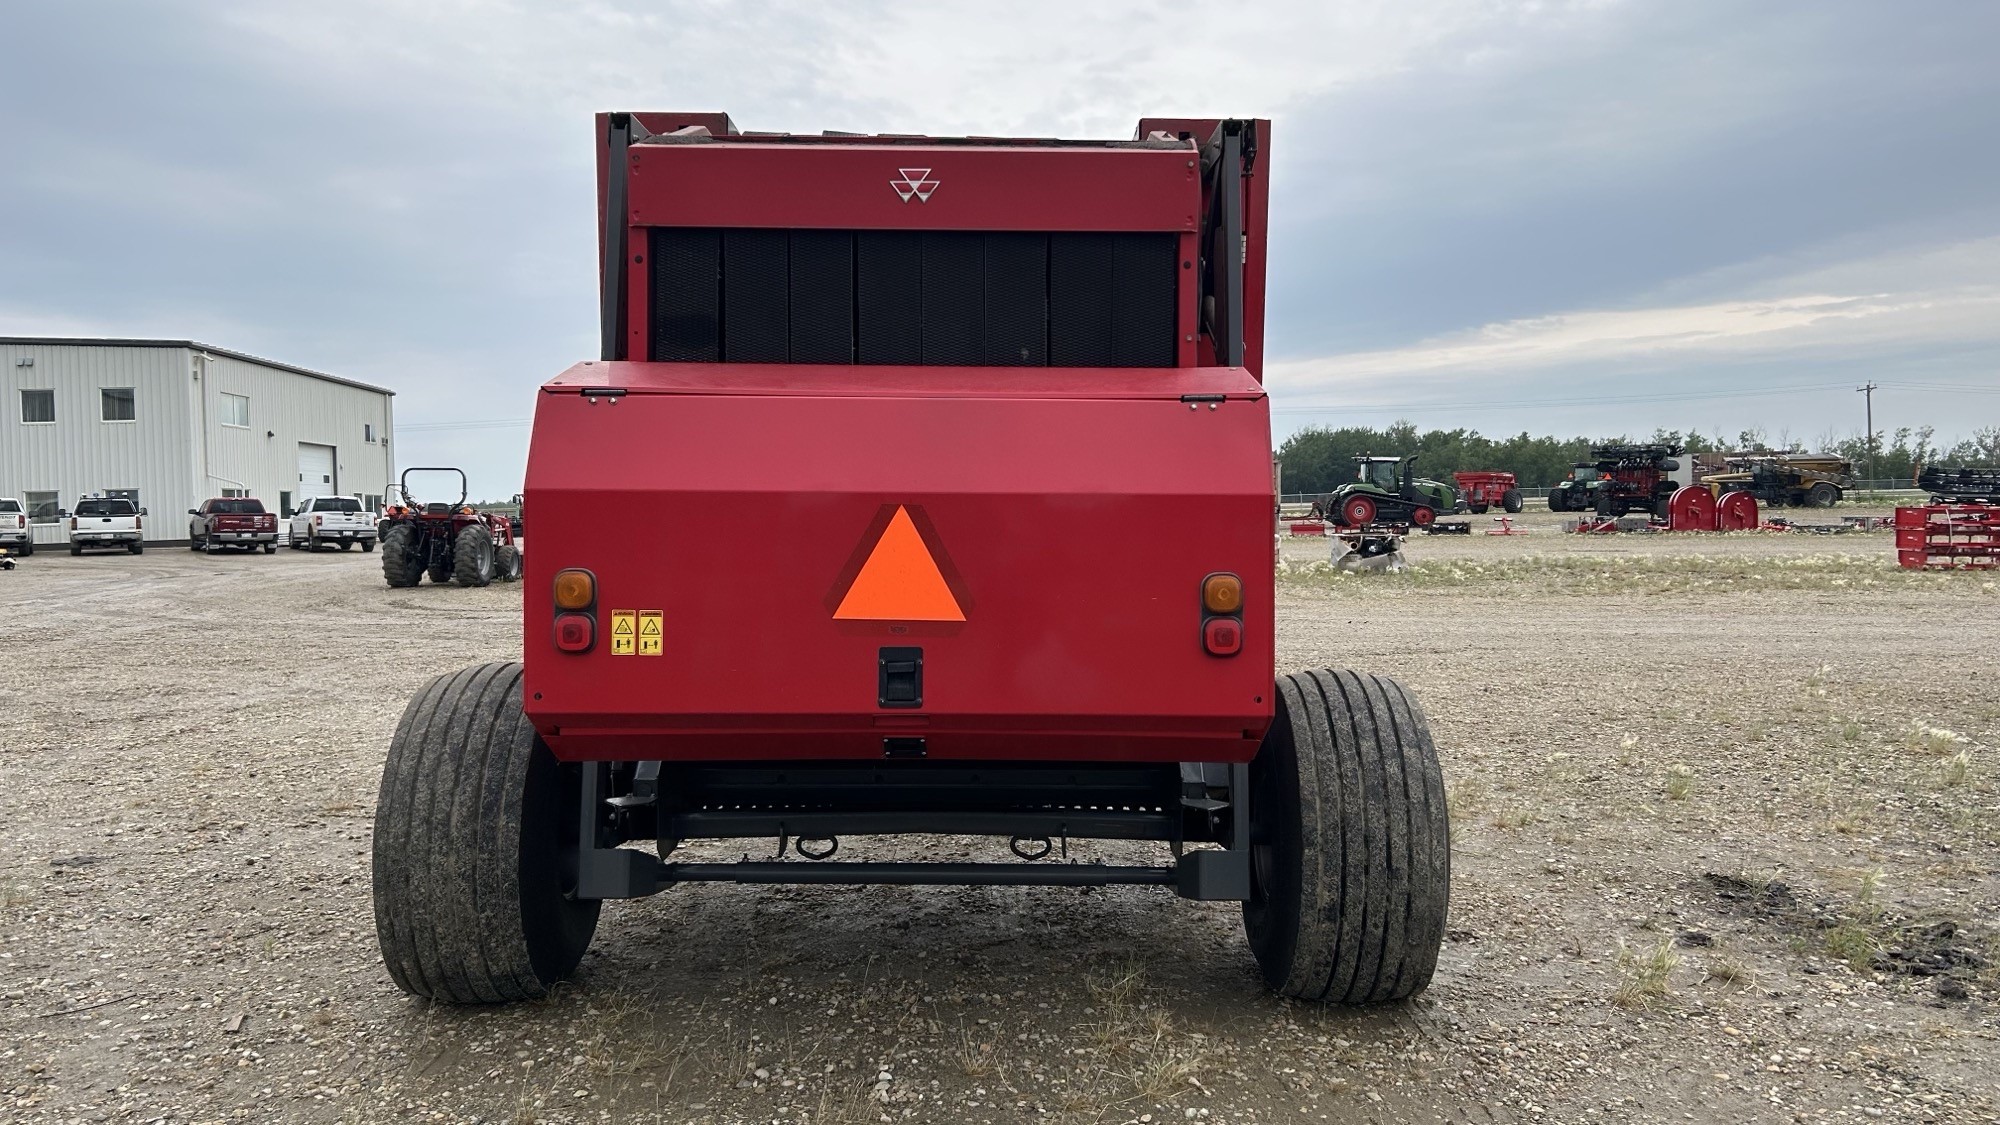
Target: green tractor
(1387, 490)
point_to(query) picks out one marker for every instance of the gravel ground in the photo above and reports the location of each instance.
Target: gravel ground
(1725, 850)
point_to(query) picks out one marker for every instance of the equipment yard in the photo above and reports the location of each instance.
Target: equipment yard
(1726, 828)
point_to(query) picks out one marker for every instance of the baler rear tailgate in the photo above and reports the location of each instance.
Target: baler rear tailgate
(1041, 536)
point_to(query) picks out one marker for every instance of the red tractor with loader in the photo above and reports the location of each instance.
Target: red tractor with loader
(449, 541)
(947, 366)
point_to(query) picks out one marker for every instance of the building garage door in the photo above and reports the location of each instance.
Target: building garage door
(315, 473)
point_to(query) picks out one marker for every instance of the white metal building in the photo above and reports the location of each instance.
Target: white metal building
(170, 423)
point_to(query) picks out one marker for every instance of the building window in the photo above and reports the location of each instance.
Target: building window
(41, 506)
(368, 432)
(233, 493)
(38, 406)
(236, 410)
(119, 404)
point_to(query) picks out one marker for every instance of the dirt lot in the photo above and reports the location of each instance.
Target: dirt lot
(1726, 841)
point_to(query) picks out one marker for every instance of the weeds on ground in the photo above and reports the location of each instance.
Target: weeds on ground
(1957, 768)
(1926, 739)
(1856, 939)
(1514, 817)
(1622, 574)
(1680, 781)
(1725, 969)
(1648, 975)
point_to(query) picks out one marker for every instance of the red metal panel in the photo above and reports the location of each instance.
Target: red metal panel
(1079, 640)
(852, 187)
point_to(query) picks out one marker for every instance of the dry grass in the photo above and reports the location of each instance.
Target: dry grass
(1680, 781)
(1648, 975)
(1663, 573)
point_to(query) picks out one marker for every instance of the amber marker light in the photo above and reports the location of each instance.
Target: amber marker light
(1222, 593)
(575, 589)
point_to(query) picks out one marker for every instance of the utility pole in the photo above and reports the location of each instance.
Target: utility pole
(1868, 393)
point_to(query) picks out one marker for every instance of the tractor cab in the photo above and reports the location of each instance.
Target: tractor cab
(1386, 473)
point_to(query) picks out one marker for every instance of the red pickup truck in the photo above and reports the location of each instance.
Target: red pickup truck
(232, 521)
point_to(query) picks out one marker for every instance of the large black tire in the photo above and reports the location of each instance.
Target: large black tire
(28, 549)
(400, 564)
(1605, 507)
(1511, 501)
(136, 547)
(471, 823)
(472, 555)
(1558, 499)
(1823, 494)
(367, 545)
(507, 564)
(75, 550)
(1350, 843)
(1480, 509)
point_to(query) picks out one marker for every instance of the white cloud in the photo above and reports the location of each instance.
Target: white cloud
(1939, 297)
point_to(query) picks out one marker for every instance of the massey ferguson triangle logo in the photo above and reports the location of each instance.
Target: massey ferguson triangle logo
(915, 184)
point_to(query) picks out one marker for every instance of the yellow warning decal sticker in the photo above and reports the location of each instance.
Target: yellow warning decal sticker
(624, 631)
(649, 632)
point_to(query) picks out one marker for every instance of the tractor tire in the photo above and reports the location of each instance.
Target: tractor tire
(471, 822)
(367, 545)
(1663, 507)
(1604, 505)
(1511, 502)
(1423, 516)
(507, 564)
(1823, 494)
(440, 572)
(1480, 509)
(1558, 500)
(400, 564)
(1350, 843)
(1357, 511)
(472, 556)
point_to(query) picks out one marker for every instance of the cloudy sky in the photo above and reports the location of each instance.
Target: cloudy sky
(1577, 217)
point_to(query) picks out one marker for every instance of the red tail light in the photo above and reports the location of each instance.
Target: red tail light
(575, 632)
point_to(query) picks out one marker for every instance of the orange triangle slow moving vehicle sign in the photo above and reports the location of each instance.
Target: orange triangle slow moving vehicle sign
(900, 581)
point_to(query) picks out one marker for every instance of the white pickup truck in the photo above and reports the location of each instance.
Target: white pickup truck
(332, 519)
(15, 534)
(102, 521)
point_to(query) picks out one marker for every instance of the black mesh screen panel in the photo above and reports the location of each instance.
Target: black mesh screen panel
(946, 298)
(1143, 283)
(756, 296)
(889, 296)
(1017, 300)
(954, 298)
(822, 286)
(1080, 299)
(685, 280)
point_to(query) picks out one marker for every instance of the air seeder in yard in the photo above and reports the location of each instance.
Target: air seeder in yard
(950, 366)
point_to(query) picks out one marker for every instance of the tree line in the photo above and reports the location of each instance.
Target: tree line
(1318, 458)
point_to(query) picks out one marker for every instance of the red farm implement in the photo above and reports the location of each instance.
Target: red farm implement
(947, 366)
(1482, 491)
(1948, 536)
